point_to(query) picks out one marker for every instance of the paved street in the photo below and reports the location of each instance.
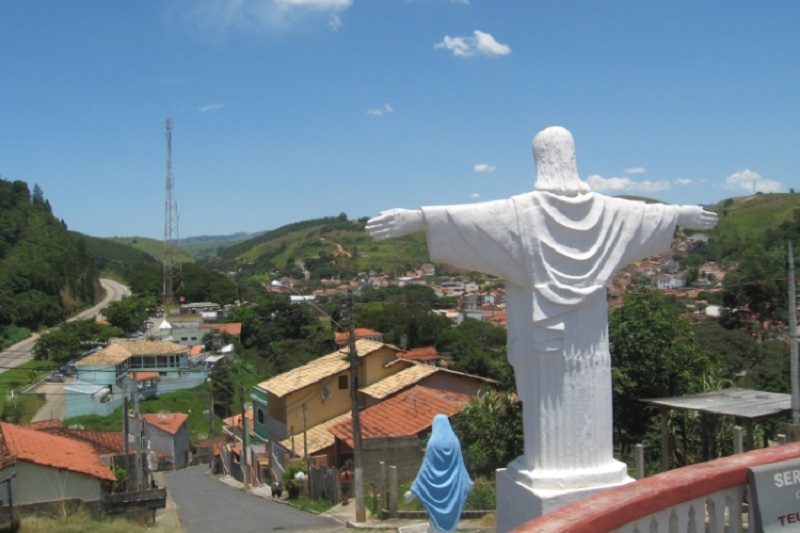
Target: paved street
(204, 504)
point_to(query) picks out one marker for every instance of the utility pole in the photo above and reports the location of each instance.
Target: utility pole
(361, 513)
(211, 417)
(245, 473)
(794, 364)
(139, 441)
(305, 439)
(126, 432)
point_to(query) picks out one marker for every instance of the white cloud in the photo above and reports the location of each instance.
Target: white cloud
(683, 181)
(218, 17)
(475, 195)
(599, 183)
(635, 170)
(750, 182)
(378, 111)
(210, 107)
(483, 167)
(480, 43)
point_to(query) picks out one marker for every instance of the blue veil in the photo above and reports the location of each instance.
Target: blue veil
(442, 483)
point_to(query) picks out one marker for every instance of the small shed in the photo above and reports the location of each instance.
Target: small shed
(747, 406)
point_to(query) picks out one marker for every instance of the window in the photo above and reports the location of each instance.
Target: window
(342, 382)
(260, 415)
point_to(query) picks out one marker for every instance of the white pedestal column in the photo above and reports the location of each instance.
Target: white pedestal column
(524, 495)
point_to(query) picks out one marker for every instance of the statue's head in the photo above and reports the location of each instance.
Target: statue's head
(557, 172)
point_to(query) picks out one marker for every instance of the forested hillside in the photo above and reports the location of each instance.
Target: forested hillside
(46, 272)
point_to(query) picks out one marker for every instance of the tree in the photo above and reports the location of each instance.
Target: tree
(736, 351)
(70, 339)
(222, 386)
(478, 348)
(758, 285)
(405, 325)
(490, 430)
(653, 355)
(126, 314)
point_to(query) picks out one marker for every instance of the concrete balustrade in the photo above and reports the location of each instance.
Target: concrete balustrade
(703, 497)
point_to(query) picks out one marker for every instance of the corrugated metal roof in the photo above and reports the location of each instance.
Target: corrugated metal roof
(740, 403)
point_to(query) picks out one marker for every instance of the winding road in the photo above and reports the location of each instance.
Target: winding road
(22, 351)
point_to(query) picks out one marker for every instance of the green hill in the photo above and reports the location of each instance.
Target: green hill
(45, 270)
(750, 217)
(768, 219)
(325, 247)
(188, 248)
(331, 246)
(152, 247)
(116, 251)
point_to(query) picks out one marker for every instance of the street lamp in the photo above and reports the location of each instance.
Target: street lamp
(361, 514)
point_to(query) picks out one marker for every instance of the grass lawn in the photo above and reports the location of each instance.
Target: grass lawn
(18, 379)
(80, 522)
(192, 402)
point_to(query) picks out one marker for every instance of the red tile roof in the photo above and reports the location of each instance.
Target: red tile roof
(236, 421)
(426, 353)
(43, 449)
(197, 350)
(231, 329)
(141, 376)
(409, 413)
(170, 422)
(103, 442)
(342, 339)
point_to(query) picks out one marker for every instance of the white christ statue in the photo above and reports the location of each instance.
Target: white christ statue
(557, 249)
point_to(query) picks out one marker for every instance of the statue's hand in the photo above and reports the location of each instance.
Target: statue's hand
(395, 223)
(409, 496)
(695, 217)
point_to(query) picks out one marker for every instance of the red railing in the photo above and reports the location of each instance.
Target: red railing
(641, 501)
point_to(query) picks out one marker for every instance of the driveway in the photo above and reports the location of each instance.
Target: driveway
(54, 407)
(205, 504)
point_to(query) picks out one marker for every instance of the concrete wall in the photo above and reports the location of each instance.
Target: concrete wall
(36, 484)
(405, 453)
(78, 404)
(187, 380)
(455, 383)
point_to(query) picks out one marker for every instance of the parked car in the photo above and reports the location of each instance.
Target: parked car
(69, 370)
(56, 378)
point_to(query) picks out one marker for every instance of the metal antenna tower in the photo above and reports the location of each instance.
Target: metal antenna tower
(171, 235)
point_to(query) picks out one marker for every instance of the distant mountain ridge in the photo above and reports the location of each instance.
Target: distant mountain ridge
(759, 217)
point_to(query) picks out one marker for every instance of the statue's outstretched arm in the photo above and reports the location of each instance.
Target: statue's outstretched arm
(395, 223)
(695, 217)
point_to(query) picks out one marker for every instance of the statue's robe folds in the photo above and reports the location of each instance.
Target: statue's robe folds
(557, 254)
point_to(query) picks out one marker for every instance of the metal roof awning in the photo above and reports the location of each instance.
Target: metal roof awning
(746, 404)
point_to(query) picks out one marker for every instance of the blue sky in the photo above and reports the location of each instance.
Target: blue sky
(286, 110)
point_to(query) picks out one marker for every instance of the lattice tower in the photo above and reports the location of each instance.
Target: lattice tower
(171, 235)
